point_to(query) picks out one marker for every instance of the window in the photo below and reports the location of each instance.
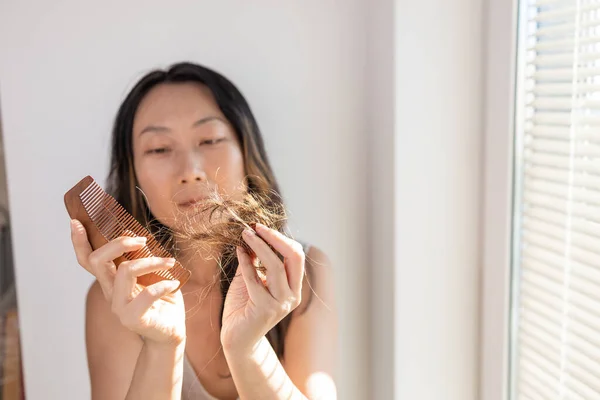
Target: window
(556, 284)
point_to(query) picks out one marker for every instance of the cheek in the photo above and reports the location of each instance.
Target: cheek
(152, 182)
(229, 172)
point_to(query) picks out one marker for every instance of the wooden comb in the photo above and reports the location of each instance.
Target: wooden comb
(104, 219)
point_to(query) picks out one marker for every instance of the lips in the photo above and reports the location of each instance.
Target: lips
(191, 202)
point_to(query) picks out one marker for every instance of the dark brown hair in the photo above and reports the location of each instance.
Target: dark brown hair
(261, 180)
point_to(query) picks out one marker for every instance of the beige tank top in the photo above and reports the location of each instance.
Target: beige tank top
(192, 388)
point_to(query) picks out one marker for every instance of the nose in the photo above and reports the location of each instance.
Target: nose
(192, 169)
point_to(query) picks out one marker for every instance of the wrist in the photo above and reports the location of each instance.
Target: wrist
(245, 351)
(166, 348)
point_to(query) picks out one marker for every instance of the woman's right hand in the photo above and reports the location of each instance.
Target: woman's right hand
(153, 312)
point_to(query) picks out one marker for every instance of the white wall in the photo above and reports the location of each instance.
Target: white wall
(66, 65)
(425, 92)
(437, 187)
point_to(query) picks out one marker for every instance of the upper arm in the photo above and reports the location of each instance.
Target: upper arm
(112, 349)
(311, 339)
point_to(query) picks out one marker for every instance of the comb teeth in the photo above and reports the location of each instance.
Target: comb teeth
(112, 221)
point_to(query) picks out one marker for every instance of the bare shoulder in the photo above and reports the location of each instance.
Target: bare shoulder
(99, 315)
(318, 286)
(311, 339)
(95, 301)
(112, 349)
(316, 256)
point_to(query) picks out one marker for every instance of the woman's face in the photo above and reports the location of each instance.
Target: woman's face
(184, 149)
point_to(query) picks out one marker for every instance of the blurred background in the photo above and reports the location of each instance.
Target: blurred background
(442, 153)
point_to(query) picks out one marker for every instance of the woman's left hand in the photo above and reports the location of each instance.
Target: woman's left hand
(253, 307)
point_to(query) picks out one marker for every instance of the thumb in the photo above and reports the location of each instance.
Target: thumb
(81, 244)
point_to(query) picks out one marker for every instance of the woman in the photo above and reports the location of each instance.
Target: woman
(178, 134)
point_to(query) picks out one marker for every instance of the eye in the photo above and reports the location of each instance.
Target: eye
(211, 141)
(160, 150)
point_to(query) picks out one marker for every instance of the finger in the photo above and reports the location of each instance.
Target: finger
(291, 250)
(101, 260)
(256, 290)
(132, 312)
(83, 250)
(116, 248)
(81, 244)
(277, 280)
(128, 273)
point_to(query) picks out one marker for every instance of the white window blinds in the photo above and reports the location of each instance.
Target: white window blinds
(556, 352)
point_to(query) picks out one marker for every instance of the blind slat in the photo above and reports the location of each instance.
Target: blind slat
(531, 387)
(579, 345)
(543, 61)
(564, 104)
(535, 260)
(563, 176)
(579, 387)
(591, 274)
(563, 44)
(579, 148)
(567, 13)
(542, 200)
(572, 192)
(568, 29)
(564, 119)
(561, 161)
(564, 89)
(538, 373)
(591, 133)
(550, 240)
(585, 295)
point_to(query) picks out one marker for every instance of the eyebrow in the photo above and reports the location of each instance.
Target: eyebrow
(157, 128)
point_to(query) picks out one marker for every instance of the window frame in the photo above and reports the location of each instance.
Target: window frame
(500, 150)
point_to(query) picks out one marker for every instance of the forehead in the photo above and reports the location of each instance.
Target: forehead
(171, 103)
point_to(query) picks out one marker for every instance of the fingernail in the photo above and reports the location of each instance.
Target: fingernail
(141, 239)
(169, 262)
(75, 225)
(260, 226)
(249, 232)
